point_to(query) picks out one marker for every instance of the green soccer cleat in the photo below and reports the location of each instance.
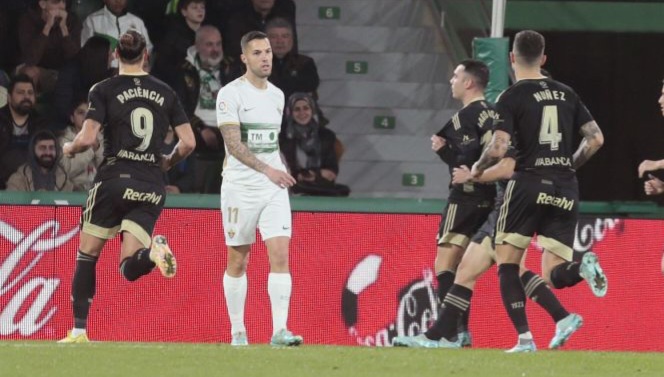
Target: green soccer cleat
(591, 271)
(464, 339)
(286, 338)
(523, 346)
(419, 341)
(163, 257)
(240, 339)
(70, 339)
(564, 329)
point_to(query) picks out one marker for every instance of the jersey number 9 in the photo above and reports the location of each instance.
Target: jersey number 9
(142, 123)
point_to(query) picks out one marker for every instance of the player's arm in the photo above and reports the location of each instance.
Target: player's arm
(85, 139)
(592, 141)
(494, 151)
(184, 147)
(236, 148)
(502, 170)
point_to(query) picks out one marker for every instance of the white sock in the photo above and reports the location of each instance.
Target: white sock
(526, 336)
(235, 291)
(279, 287)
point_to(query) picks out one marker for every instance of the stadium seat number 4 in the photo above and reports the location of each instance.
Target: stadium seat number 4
(384, 122)
(549, 128)
(329, 13)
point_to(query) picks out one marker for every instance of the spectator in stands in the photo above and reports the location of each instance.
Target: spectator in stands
(309, 149)
(82, 168)
(181, 177)
(43, 171)
(4, 84)
(205, 71)
(254, 17)
(18, 122)
(291, 72)
(111, 21)
(153, 12)
(91, 65)
(171, 52)
(48, 37)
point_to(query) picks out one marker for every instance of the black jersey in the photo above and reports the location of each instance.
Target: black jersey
(465, 134)
(542, 116)
(135, 112)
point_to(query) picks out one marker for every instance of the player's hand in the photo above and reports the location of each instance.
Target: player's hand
(437, 143)
(476, 172)
(67, 150)
(279, 177)
(165, 163)
(647, 165)
(653, 185)
(461, 175)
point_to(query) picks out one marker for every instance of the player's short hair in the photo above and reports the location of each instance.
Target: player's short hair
(478, 70)
(279, 22)
(250, 36)
(131, 46)
(528, 46)
(21, 77)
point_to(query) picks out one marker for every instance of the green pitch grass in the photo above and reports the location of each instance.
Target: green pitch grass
(35, 359)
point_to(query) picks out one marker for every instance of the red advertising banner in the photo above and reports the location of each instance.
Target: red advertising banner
(357, 279)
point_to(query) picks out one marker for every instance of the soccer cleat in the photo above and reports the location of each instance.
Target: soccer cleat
(69, 339)
(418, 341)
(163, 257)
(524, 345)
(444, 343)
(564, 329)
(286, 338)
(464, 339)
(240, 339)
(591, 271)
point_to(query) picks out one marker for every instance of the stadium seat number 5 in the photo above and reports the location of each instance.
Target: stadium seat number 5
(549, 129)
(142, 124)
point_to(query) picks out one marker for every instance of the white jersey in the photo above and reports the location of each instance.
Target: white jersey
(259, 114)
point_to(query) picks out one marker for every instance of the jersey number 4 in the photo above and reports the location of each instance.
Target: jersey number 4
(549, 128)
(142, 125)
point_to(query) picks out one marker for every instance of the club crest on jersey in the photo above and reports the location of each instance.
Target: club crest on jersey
(231, 233)
(222, 106)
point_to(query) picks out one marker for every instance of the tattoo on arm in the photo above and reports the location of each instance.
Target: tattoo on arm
(592, 141)
(494, 151)
(233, 139)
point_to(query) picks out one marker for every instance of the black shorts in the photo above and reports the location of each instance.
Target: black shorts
(538, 204)
(461, 220)
(123, 204)
(488, 228)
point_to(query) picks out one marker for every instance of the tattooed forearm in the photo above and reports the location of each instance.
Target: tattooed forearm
(494, 151)
(592, 141)
(233, 139)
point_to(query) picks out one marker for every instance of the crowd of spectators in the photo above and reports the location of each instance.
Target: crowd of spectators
(53, 51)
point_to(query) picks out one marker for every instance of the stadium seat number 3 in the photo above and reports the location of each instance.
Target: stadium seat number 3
(549, 129)
(142, 125)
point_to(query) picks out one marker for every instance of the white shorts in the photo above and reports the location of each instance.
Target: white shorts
(244, 209)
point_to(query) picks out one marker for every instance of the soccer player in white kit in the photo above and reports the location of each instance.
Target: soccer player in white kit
(254, 192)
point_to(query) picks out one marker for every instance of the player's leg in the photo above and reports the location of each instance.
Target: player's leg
(516, 223)
(239, 217)
(99, 223)
(275, 227)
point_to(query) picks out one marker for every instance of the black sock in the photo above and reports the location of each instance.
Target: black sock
(514, 298)
(137, 265)
(566, 275)
(445, 281)
(83, 288)
(462, 325)
(537, 290)
(456, 302)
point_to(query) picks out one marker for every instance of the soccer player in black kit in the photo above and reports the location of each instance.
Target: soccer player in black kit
(135, 111)
(540, 117)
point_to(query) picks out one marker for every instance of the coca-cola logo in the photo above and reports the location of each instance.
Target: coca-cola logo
(416, 309)
(16, 280)
(590, 231)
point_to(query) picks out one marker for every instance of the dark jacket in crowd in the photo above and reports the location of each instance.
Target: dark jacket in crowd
(295, 73)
